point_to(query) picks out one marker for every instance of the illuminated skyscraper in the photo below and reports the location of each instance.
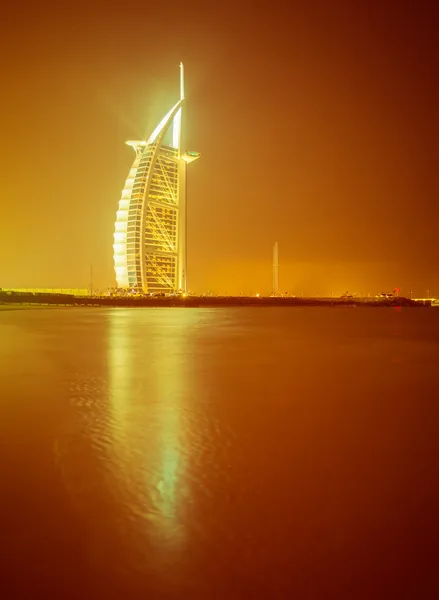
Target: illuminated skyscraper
(150, 231)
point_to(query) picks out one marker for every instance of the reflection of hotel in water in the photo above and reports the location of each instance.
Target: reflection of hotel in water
(150, 230)
(148, 419)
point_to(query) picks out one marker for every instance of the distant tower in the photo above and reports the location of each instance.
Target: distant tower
(275, 269)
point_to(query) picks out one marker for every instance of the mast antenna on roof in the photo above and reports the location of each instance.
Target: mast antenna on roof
(181, 81)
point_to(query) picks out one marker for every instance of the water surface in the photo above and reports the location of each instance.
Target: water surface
(219, 453)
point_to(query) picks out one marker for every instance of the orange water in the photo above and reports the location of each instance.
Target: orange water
(219, 453)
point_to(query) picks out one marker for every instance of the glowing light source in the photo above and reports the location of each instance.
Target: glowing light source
(150, 228)
(154, 135)
(176, 130)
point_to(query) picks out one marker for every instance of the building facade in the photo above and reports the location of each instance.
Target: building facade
(149, 246)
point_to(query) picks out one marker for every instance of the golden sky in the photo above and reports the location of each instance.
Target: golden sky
(318, 126)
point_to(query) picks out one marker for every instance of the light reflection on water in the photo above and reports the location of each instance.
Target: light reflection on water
(219, 453)
(149, 448)
(151, 445)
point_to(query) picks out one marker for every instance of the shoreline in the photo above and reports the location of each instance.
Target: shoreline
(11, 301)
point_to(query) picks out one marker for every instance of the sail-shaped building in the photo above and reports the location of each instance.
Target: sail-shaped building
(150, 232)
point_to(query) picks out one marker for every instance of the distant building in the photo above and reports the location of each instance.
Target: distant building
(275, 269)
(150, 231)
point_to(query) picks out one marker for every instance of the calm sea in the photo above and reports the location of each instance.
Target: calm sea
(219, 453)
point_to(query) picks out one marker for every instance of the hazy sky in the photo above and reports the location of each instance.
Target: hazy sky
(318, 125)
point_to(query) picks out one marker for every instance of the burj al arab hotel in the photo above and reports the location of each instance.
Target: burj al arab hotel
(150, 231)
